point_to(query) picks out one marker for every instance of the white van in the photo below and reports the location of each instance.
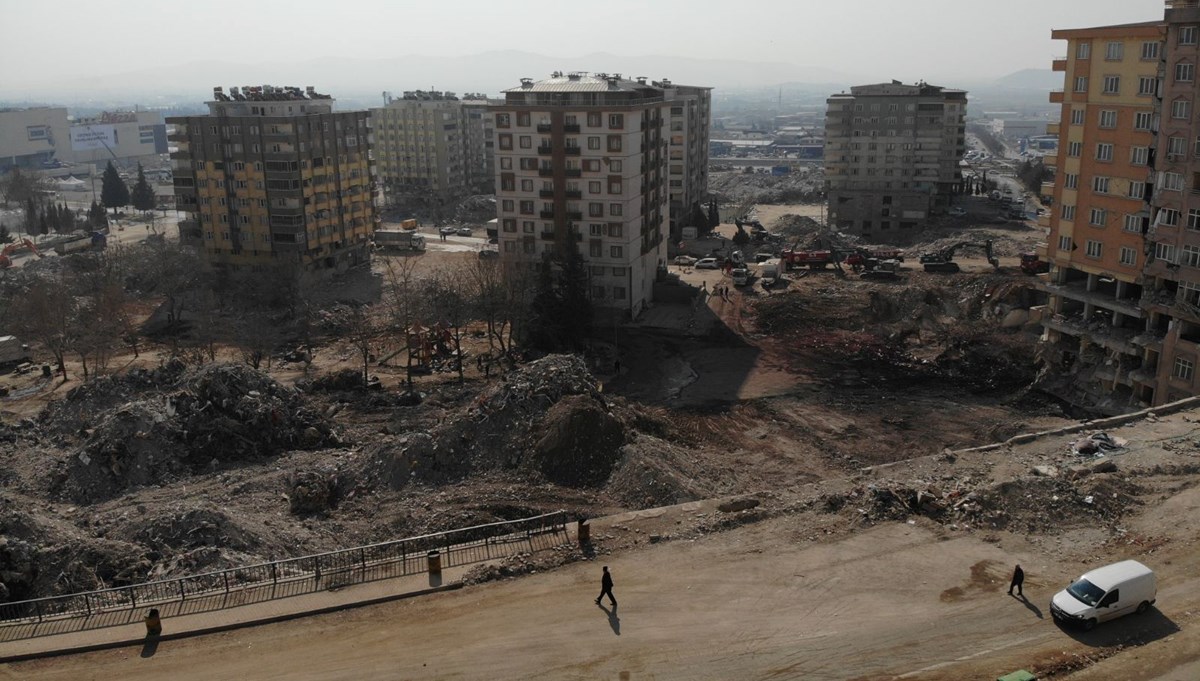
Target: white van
(1106, 593)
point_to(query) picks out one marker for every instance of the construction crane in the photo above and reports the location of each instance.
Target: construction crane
(943, 260)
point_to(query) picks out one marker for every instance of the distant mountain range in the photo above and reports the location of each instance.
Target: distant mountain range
(1031, 79)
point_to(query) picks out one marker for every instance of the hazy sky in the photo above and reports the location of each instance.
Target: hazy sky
(933, 39)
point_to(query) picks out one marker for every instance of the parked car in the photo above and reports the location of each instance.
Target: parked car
(684, 260)
(762, 257)
(464, 231)
(1106, 593)
(447, 230)
(489, 253)
(708, 264)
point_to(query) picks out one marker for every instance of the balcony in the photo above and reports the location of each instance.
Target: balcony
(1059, 64)
(1056, 96)
(547, 215)
(571, 127)
(546, 193)
(543, 127)
(573, 151)
(546, 172)
(574, 194)
(574, 172)
(548, 236)
(574, 215)
(545, 151)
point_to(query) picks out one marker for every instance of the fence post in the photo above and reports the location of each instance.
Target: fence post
(226, 575)
(87, 603)
(133, 596)
(362, 557)
(274, 574)
(403, 558)
(316, 569)
(182, 594)
(37, 605)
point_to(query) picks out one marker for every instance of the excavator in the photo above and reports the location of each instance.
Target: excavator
(6, 261)
(943, 260)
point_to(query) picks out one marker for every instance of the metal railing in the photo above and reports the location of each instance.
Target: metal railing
(279, 579)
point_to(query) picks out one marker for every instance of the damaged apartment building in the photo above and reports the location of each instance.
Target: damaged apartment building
(1122, 325)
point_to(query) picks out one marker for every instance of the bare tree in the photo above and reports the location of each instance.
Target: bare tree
(363, 332)
(402, 303)
(448, 300)
(45, 312)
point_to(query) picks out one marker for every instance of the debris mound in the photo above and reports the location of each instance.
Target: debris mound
(581, 442)
(207, 416)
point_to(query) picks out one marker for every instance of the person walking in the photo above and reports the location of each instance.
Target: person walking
(606, 585)
(1018, 579)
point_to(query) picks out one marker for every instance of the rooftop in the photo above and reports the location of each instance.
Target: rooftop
(267, 93)
(582, 81)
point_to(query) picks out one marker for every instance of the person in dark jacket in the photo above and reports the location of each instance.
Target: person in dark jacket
(1018, 579)
(606, 585)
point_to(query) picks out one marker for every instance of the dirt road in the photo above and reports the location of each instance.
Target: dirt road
(763, 602)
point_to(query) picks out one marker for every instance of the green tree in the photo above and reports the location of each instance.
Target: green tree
(113, 192)
(21, 188)
(143, 193)
(97, 218)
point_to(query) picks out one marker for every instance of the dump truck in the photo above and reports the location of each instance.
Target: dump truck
(399, 240)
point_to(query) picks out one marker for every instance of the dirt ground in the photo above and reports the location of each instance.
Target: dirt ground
(790, 589)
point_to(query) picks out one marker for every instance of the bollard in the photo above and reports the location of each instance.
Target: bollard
(435, 562)
(153, 623)
(583, 530)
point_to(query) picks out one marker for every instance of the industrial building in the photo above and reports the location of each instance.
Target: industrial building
(45, 137)
(892, 154)
(274, 174)
(583, 161)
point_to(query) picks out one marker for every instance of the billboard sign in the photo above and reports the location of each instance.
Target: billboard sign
(90, 137)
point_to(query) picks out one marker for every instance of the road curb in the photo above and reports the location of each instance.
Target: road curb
(453, 586)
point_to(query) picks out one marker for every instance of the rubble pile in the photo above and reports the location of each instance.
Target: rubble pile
(204, 418)
(476, 210)
(739, 187)
(184, 530)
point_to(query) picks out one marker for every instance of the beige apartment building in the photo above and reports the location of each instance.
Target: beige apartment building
(273, 175)
(892, 154)
(434, 141)
(582, 161)
(687, 149)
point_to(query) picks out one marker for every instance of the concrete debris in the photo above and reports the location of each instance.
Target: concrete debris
(1096, 444)
(735, 505)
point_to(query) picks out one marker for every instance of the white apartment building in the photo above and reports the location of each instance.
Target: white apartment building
(585, 158)
(432, 140)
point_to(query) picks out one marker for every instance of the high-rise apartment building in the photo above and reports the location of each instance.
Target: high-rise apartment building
(584, 159)
(892, 154)
(1124, 323)
(274, 174)
(687, 150)
(433, 141)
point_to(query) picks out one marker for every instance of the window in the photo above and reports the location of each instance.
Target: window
(1137, 189)
(527, 207)
(1191, 292)
(1128, 256)
(505, 163)
(1068, 212)
(523, 119)
(1098, 218)
(595, 249)
(595, 229)
(1139, 156)
(596, 210)
(614, 142)
(1150, 50)
(1100, 185)
(591, 165)
(528, 163)
(614, 209)
(1108, 119)
(1191, 256)
(594, 119)
(510, 225)
(1081, 84)
(619, 292)
(1104, 151)
(1094, 249)
(1184, 72)
(1168, 217)
(506, 205)
(1193, 222)
(1072, 181)
(614, 166)
(1076, 116)
(1112, 85)
(1114, 51)
(1083, 51)
(1164, 252)
(1133, 223)
(616, 230)
(527, 226)
(615, 251)
(1064, 243)
(614, 187)
(593, 143)
(526, 142)
(616, 121)
(526, 185)
(503, 120)
(1183, 369)
(1187, 35)
(1147, 85)
(505, 139)
(1173, 182)
(1074, 149)
(1176, 146)
(1142, 119)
